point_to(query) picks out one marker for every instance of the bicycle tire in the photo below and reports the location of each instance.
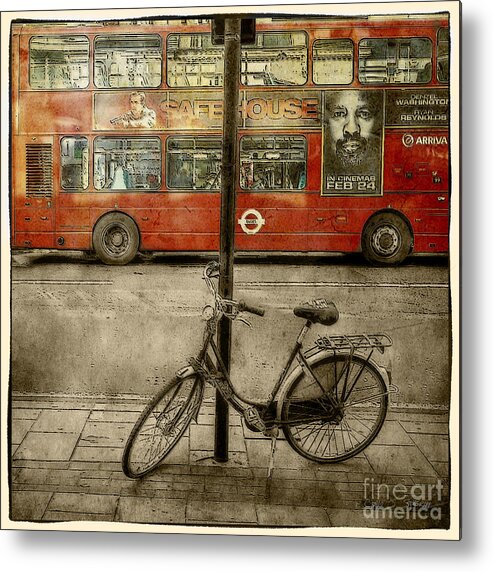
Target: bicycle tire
(161, 425)
(318, 431)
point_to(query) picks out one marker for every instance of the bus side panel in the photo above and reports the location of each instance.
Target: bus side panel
(429, 243)
(33, 212)
(416, 160)
(55, 112)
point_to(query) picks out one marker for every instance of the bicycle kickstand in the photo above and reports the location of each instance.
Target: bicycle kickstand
(274, 432)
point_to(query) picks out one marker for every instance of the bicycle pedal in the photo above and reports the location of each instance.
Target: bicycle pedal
(253, 420)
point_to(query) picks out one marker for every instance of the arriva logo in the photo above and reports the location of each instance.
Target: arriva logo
(408, 140)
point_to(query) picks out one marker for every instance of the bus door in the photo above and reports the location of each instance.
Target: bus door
(33, 193)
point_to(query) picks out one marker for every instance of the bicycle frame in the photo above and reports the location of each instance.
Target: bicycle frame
(254, 411)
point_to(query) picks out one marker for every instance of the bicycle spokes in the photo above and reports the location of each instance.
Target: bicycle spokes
(161, 425)
(339, 414)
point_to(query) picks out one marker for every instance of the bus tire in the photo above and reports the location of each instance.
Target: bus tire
(386, 239)
(116, 239)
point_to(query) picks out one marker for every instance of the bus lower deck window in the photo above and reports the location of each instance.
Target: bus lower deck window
(272, 162)
(74, 161)
(131, 163)
(194, 163)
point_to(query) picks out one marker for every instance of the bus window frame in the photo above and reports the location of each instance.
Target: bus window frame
(105, 189)
(134, 87)
(190, 189)
(353, 59)
(246, 47)
(37, 89)
(438, 41)
(220, 49)
(273, 190)
(89, 154)
(397, 39)
(278, 32)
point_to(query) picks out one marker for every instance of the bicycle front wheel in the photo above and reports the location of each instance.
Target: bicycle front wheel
(161, 425)
(335, 414)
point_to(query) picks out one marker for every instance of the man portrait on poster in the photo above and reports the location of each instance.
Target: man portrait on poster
(139, 114)
(353, 141)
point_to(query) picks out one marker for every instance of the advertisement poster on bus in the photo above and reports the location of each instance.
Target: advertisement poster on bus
(340, 148)
(353, 142)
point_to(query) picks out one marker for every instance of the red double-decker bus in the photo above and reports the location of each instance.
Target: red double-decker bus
(343, 137)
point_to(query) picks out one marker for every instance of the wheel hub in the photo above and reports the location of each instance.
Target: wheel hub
(386, 240)
(115, 240)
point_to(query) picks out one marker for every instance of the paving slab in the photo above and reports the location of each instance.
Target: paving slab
(105, 434)
(115, 416)
(277, 515)
(392, 433)
(47, 446)
(29, 476)
(20, 428)
(29, 505)
(391, 460)
(67, 516)
(434, 447)
(221, 512)
(83, 503)
(236, 459)
(202, 438)
(426, 427)
(25, 413)
(151, 511)
(97, 454)
(61, 421)
(258, 451)
(180, 455)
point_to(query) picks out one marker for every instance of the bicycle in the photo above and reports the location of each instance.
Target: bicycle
(330, 405)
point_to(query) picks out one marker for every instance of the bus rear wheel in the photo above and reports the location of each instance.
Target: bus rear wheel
(386, 239)
(116, 239)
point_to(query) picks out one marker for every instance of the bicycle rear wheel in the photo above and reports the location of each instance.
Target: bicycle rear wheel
(161, 425)
(336, 416)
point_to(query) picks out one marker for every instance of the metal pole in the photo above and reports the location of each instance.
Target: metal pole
(232, 55)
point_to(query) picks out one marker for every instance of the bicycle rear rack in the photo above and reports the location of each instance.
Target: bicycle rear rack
(355, 342)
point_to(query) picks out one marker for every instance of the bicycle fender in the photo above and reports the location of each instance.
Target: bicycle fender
(318, 355)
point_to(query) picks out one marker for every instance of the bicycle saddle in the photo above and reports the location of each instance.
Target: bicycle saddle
(319, 311)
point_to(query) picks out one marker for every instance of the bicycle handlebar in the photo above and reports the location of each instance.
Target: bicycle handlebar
(212, 271)
(244, 307)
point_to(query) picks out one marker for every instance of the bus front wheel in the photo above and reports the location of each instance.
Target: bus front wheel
(386, 239)
(116, 239)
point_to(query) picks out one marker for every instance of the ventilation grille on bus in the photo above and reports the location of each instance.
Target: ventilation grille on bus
(39, 170)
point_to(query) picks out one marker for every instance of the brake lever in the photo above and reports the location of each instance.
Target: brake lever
(244, 320)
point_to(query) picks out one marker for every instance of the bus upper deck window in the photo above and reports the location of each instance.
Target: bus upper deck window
(443, 48)
(193, 61)
(74, 160)
(333, 61)
(395, 60)
(278, 58)
(127, 61)
(59, 62)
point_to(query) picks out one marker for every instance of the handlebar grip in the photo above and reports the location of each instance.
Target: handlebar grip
(244, 307)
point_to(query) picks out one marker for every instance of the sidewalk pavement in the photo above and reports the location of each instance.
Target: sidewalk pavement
(66, 466)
